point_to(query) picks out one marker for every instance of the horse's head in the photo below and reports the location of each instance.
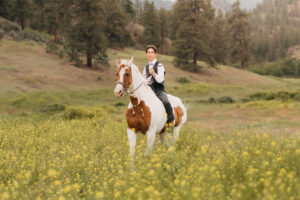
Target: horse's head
(123, 77)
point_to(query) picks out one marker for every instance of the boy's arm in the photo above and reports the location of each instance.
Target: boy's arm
(160, 76)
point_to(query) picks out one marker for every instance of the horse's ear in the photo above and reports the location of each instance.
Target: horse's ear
(130, 62)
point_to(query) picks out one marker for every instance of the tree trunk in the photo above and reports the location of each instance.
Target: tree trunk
(22, 23)
(56, 23)
(89, 59)
(55, 34)
(195, 62)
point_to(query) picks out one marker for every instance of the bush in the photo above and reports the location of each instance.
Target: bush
(77, 113)
(119, 104)
(54, 48)
(225, 99)
(8, 26)
(52, 108)
(281, 95)
(182, 80)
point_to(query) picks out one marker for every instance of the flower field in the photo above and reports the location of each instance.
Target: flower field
(52, 157)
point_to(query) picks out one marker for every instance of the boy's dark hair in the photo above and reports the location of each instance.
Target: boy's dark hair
(152, 47)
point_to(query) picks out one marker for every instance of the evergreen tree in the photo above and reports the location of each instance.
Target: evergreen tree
(129, 9)
(239, 35)
(151, 25)
(115, 30)
(193, 33)
(85, 32)
(21, 10)
(219, 43)
(4, 9)
(164, 28)
(138, 7)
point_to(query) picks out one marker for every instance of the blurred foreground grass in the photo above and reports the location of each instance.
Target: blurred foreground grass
(53, 157)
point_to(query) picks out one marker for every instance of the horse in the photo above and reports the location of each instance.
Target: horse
(145, 112)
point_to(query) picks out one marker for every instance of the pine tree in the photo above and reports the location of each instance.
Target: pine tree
(138, 11)
(164, 28)
(239, 35)
(115, 30)
(129, 9)
(151, 25)
(219, 43)
(21, 10)
(193, 33)
(4, 9)
(85, 32)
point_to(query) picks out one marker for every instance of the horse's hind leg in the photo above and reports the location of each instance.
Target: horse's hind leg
(132, 141)
(164, 139)
(175, 134)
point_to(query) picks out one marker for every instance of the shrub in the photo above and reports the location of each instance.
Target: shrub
(77, 113)
(182, 80)
(225, 99)
(53, 108)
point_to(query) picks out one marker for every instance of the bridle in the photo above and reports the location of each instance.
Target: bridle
(126, 88)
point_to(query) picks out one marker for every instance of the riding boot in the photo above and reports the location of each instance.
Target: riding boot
(164, 98)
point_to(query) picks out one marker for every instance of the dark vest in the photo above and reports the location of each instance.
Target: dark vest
(156, 87)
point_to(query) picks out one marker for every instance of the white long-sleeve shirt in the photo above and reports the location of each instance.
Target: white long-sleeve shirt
(160, 75)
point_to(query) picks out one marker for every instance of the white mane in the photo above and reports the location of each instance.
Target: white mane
(137, 74)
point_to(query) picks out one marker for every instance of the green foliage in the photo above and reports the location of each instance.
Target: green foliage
(55, 49)
(281, 68)
(193, 33)
(220, 39)
(182, 80)
(8, 26)
(275, 28)
(128, 7)
(21, 11)
(151, 24)
(280, 95)
(85, 34)
(222, 99)
(116, 21)
(239, 35)
(52, 108)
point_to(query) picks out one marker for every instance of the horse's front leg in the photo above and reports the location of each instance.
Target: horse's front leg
(132, 141)
(150, 141)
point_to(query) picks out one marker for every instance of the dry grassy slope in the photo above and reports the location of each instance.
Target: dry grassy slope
(25, 66)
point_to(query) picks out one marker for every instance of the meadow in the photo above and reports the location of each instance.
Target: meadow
(241, 140)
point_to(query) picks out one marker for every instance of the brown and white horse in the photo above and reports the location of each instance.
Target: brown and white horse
(145, 113)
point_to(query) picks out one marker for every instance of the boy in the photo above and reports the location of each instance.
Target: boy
(157, 72)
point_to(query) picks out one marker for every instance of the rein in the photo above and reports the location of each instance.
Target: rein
(125, 89)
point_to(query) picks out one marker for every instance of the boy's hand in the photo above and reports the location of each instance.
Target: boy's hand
(152, 72)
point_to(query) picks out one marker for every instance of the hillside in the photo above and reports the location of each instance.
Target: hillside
(25, 66)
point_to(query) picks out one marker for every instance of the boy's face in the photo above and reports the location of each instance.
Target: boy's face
(151, 54)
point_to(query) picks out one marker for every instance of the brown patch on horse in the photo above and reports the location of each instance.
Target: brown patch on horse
(139, 116)
(118, 72)
(178, 112)
(127, 78)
